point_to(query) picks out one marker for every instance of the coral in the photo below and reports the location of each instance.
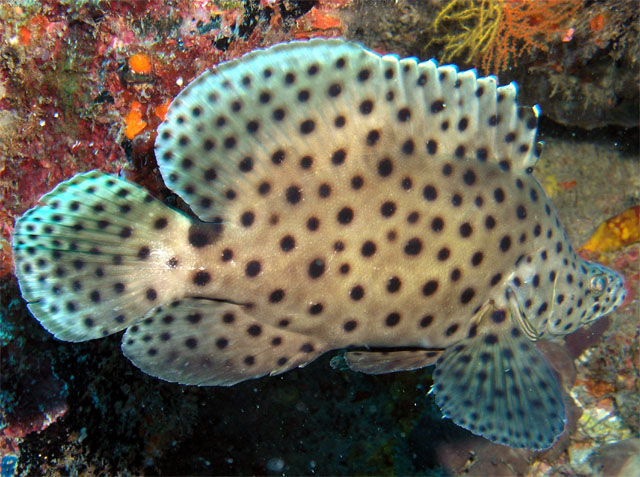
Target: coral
(140, 63)
(134, 121)
(592, 81)
(321, 21)
(495, 33)
(616, 232)
(477, 25)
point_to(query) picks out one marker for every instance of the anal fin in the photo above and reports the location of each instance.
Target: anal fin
(211, 343)
(380, 362)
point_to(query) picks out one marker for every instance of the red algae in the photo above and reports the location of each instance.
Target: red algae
(80, 84)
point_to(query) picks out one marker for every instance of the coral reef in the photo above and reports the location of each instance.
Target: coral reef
(84, 84)
(592, 80)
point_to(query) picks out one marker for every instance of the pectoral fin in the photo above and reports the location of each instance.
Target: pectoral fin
(498, 385)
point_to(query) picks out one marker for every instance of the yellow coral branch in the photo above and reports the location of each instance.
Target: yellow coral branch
(494, 33)
(479, 23)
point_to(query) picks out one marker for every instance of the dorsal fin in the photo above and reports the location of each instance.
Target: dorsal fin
(238, 123)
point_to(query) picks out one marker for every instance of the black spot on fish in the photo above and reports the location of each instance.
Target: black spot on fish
(201, 278)
(413, 246)
(345, 215)
(253, 268)
(202, 235)
(467, 295)
(392, 319)
(430, 288)
(316, 268)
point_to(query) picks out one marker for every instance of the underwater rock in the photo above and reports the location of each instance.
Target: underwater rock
(620, 459)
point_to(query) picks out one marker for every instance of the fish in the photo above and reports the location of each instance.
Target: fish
(339, 199)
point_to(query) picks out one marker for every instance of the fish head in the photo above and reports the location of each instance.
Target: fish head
(604, 291)
(594, 291)
(556, 296)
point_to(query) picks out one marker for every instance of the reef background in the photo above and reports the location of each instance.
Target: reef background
(84, 84)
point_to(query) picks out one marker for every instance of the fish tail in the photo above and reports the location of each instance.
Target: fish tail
(97, 254)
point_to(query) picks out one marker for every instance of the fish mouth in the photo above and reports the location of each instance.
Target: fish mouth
(620, 301)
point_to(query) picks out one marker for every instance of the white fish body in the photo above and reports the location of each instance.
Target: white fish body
(346, 199)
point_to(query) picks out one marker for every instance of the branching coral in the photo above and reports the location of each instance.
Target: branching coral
(495, 33)
(467, 26)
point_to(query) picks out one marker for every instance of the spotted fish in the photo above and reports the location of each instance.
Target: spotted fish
(343, 199)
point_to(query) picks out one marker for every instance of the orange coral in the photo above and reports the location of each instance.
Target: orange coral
(616, 232)
(25, 35)
(526, 26)
(321, 21)
(496, 33)
(140, 63)
(161, 110)
(134, 122)
(597, 22)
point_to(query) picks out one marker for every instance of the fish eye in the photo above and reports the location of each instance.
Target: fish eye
(597, 284)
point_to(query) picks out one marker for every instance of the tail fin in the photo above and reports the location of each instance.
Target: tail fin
(96, 255)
